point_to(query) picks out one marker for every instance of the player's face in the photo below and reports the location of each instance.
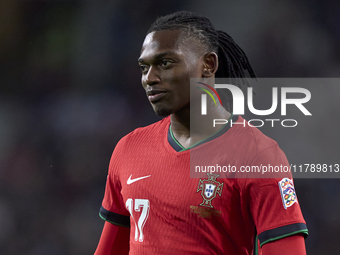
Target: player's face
(167, 63)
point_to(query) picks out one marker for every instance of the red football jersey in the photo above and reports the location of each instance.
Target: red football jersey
(150, 190)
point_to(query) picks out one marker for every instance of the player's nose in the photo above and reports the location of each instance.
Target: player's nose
(151, 77)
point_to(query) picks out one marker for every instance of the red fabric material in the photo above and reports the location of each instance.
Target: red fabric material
(114, 240)
(167, 206)
(289, 245)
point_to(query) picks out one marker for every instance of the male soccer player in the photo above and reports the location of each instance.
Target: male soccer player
(151, 205)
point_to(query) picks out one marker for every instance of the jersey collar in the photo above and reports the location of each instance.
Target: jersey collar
(178, 147)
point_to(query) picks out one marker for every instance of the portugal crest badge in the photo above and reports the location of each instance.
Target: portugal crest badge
(287, 192)
(209, 188)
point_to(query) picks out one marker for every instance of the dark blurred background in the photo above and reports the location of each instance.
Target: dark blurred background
(70, 89)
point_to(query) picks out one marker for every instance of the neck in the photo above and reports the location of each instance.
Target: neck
(180, 124)
(189, 131)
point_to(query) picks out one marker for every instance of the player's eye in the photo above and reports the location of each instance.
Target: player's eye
(144, 68)
(165, 63)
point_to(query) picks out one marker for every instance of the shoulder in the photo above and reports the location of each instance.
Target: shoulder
(262, 156)
(251, 137)
(137, 143)
(147, 133)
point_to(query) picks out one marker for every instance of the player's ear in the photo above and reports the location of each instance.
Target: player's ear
(210, 64)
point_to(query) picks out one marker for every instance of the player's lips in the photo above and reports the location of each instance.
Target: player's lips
(155, 95)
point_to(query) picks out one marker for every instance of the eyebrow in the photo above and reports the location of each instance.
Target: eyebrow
(157, 56)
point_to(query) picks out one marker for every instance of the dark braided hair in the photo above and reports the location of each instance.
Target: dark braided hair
(233, 62)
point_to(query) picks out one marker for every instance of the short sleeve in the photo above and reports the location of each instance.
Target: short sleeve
(273, 201)
(113, 208)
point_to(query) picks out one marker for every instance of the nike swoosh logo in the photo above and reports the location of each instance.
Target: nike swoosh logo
(129, 181)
